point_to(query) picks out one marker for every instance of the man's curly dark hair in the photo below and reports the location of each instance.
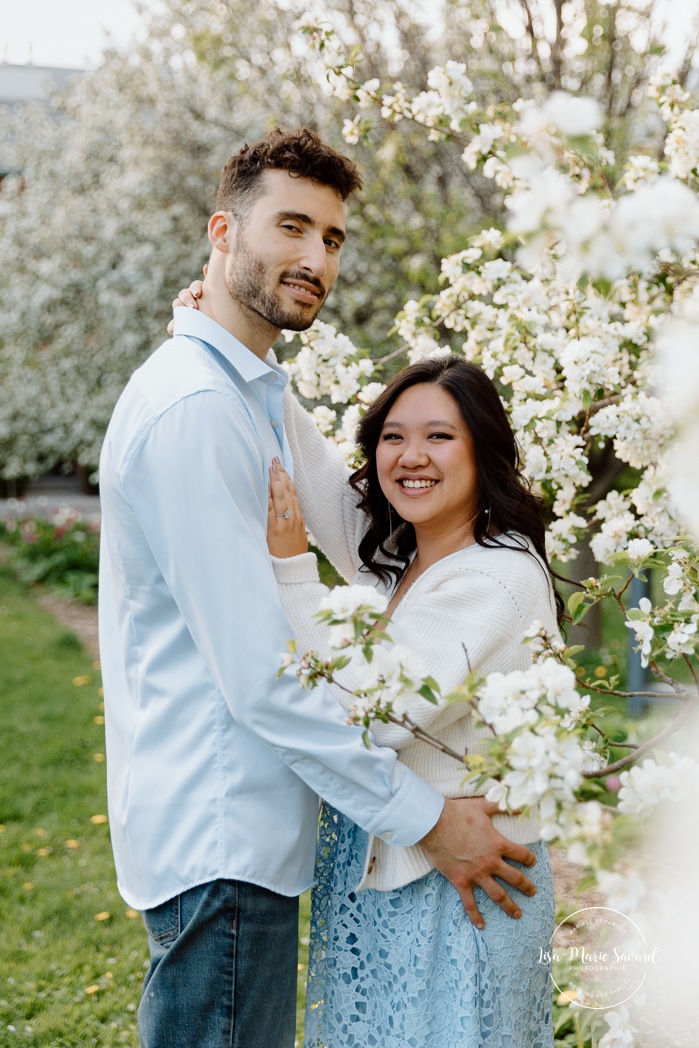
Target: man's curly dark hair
(302, 153)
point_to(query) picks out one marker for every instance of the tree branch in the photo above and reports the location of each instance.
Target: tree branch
(531, 33)
(625, 762)
(424, 736)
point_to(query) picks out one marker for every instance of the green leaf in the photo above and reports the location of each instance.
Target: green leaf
(428, 694)
(574, 601)
(574, 650)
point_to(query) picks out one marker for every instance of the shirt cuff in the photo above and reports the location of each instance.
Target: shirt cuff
(410, 814)
(302, 568)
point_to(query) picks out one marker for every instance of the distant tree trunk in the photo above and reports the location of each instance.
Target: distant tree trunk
(589, 631)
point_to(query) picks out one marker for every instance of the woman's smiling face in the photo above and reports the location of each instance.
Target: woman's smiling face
(425, 460)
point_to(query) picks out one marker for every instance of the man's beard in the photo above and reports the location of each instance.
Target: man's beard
(245, 280)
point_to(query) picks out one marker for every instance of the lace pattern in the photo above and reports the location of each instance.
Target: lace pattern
(407, 969)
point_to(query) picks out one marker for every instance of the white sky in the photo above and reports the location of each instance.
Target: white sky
(69, 33)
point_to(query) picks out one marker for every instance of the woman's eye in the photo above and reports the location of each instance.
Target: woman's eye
(390, 436)
(440, 436)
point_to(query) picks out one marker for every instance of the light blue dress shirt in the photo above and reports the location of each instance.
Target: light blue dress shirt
(214, 764)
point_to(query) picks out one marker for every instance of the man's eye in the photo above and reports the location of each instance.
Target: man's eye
(291, 229)
(333, 245)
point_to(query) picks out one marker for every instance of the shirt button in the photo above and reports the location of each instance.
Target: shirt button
(387, 836)
(274, 423)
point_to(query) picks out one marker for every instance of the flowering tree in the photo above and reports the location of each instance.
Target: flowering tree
(118, 176)
(569, 308)
(105, 217)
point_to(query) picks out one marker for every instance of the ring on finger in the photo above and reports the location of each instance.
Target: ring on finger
(284, 515)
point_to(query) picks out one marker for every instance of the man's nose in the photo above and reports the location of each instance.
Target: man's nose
(314, 256)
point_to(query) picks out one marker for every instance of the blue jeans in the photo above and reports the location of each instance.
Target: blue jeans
(223, 969)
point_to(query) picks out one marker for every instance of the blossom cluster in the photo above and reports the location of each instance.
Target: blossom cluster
(540, 745)
(328, 365)
(445, 106)
(583, 312)
(649, 782)
(666, 630)
(386, 677)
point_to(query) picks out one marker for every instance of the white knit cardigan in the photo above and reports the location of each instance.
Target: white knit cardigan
(467, 611)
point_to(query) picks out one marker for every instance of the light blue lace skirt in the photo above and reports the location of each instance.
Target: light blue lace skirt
(407, 969)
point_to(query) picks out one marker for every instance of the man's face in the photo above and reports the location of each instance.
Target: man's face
(285, 255)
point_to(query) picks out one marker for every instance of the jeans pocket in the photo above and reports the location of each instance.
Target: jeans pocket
(163, 923)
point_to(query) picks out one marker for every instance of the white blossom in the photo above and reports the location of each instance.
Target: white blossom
(639, 169)
(571, 115)
(643, 630)
(368, 394)
(673, 581)
(623, 890)
(620, 1033)
(344, 602)
(682, 144)
(646, 784)
(637, 549)
(351, 130)
(394, 675)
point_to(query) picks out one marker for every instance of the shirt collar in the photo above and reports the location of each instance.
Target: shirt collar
(196, 324)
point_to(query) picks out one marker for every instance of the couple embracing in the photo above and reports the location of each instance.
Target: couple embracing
(429, 908)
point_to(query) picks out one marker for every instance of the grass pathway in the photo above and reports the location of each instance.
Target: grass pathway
(72, 954)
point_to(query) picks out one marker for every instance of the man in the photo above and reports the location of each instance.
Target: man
(214, 764)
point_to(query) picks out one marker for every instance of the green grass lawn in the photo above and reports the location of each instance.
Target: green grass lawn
(72, 955)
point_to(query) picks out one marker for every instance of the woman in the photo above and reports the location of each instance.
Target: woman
(439, 520)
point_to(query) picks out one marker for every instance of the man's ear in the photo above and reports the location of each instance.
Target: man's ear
(222, 229)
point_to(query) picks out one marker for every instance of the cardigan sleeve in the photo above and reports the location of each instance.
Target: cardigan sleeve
(453, 621)
(321, 477)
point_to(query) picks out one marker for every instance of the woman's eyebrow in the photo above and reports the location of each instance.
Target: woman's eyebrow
(427, 422)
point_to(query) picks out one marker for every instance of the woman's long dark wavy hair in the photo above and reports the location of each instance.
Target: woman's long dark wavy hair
(505, 501)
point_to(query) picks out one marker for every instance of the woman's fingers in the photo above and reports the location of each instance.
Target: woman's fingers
(189, 296)
(286, 531)
(278, 493)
